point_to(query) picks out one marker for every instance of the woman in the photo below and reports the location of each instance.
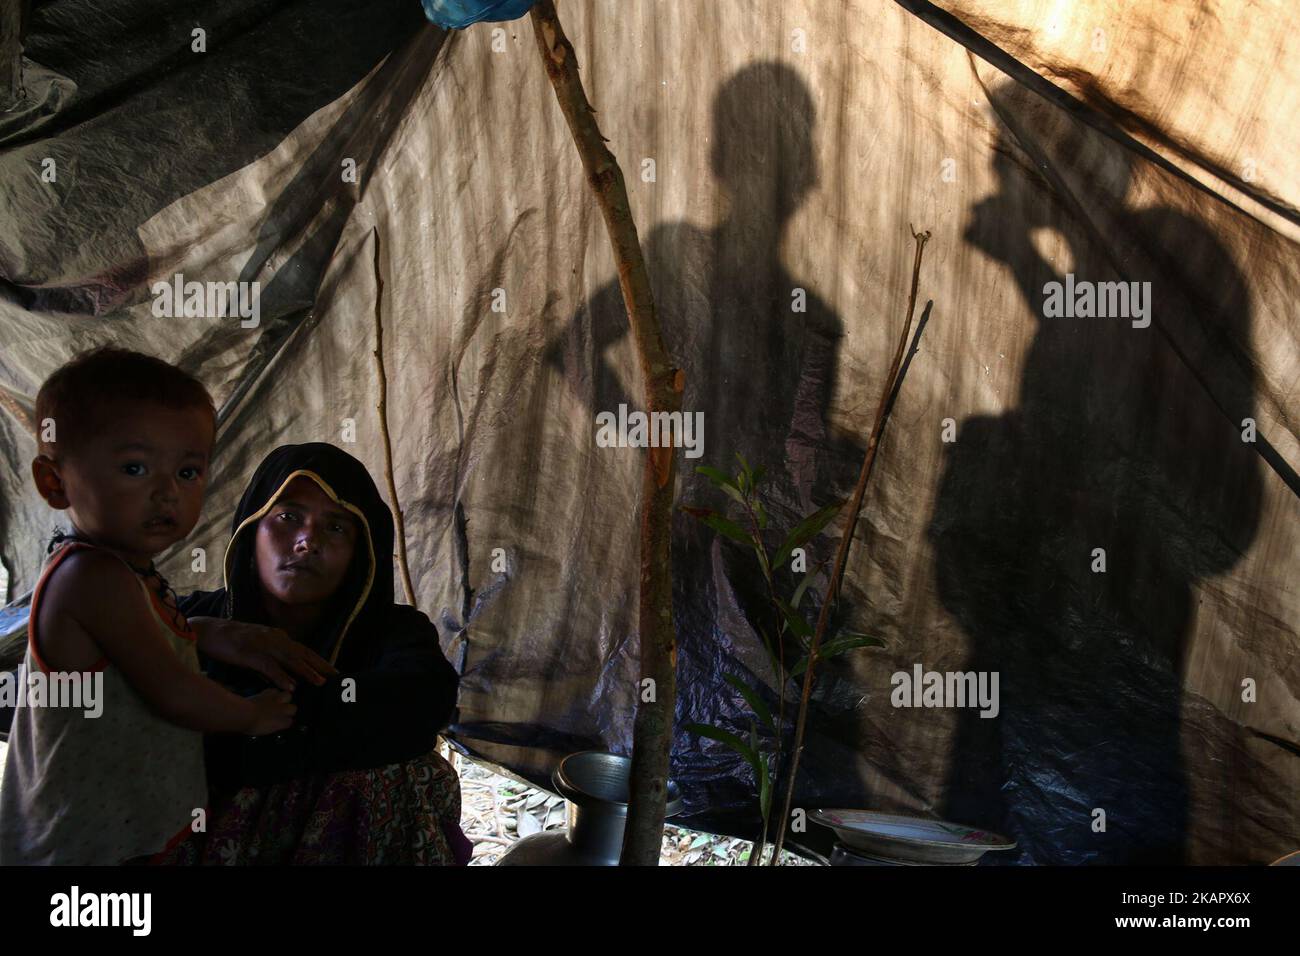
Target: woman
(357, 779)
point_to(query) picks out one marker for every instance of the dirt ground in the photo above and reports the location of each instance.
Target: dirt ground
(494, 808)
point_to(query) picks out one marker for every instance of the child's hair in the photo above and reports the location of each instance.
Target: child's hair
(81, 394)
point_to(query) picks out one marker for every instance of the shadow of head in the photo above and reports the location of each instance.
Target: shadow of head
(763, 120)
(1039, 145)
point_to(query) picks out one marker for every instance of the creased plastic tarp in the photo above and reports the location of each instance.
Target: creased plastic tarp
(1145, 712)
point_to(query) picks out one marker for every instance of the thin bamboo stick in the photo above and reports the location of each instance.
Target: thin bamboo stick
(841, 555)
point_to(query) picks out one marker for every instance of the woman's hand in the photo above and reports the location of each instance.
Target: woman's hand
(268, 651)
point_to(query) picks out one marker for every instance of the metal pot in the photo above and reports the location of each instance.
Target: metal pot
(594, 785)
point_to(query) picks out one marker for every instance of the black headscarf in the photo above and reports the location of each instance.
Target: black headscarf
(367, 590)
(405, 690)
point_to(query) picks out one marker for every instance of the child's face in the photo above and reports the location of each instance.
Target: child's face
(137, 484)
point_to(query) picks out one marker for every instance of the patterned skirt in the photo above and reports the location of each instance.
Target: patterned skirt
(402, 814)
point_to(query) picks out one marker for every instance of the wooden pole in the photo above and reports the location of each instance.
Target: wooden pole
(398, 520)
(383, 428)
(657, 692)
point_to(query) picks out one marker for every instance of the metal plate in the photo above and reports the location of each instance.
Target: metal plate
(910, 839)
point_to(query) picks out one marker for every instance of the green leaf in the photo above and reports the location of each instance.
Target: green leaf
(805, 531)
(729, 739)
(762, 774)
(803, 586)
(793, 618)
(752, 698)
(762, 514)
(715, 475)
(721, 480)
(844, 641)
(728, 527)
(847, 641)
(720, 524)
(771, 654)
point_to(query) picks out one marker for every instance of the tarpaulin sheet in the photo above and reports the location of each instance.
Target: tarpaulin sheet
(775, 152)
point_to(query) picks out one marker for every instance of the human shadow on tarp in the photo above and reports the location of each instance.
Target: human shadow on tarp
(1113, 444)
(760, 353)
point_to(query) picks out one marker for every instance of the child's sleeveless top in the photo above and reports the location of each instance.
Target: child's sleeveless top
(98, 790)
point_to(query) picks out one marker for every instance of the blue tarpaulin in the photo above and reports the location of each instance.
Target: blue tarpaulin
(458, 14)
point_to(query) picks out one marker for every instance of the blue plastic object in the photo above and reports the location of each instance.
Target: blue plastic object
(458, 14)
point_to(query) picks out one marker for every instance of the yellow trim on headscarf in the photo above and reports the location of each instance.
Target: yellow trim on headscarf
(270, 503)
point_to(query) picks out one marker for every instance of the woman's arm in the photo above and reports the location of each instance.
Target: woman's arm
(392, 710)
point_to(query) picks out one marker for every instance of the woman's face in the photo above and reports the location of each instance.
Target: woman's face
(304, 545)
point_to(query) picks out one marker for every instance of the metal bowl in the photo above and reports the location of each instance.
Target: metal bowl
(594, 785)
(599, 780)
